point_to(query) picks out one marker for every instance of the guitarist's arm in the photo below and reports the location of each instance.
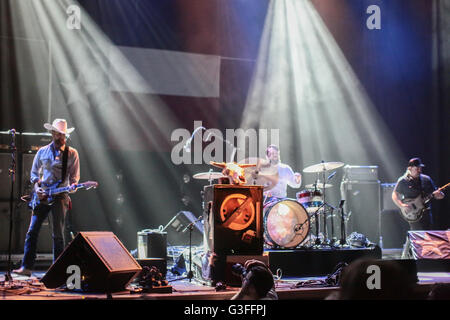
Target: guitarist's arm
(34, 176)
(39, 191)
(398, 202)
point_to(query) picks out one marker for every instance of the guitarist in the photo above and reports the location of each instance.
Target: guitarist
(49, 165)
(412, 184)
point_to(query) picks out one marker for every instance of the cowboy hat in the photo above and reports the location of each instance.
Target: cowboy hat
(59, 125)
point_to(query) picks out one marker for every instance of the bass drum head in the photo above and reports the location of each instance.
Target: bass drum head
(286, 224)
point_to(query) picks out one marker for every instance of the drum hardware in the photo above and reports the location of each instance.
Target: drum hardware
(321, 169)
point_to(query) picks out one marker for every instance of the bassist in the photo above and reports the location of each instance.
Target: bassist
(49, 165)
(413, 184)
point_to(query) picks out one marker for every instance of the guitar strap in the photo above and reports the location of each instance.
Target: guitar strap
(64, 163)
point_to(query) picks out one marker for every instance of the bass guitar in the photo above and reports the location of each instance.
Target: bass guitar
(417, 206)
(52, 190)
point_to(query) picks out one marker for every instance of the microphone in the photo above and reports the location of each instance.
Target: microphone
(190, 225)
(331, 176)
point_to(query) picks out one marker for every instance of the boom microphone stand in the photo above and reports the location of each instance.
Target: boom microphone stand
(12, 174)
(190, 227)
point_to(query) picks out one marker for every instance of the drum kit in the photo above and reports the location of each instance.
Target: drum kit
(287, 222)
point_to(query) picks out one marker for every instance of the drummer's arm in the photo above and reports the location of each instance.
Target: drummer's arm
(295, 179)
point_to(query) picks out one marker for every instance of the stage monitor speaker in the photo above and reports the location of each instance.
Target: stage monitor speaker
(394, 229)
(233, 219)
(363, 205)
(105, 264)
(178, 235)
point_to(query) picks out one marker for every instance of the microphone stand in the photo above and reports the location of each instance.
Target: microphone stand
(12, 174)
(190, 227)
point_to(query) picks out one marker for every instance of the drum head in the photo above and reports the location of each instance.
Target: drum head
(286, 223)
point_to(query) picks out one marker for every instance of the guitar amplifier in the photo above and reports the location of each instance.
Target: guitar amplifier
(386, 197)
(360, 173)
(32, 142)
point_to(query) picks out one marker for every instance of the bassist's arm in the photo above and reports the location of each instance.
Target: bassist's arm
(398, 202)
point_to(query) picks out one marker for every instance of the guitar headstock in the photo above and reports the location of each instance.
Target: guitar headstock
(90, 184)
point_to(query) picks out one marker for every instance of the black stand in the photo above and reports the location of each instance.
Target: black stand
(190, 227)
(343, 233)
(12, 174)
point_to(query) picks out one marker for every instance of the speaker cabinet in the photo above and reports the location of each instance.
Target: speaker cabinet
(5, 179)
(233, 219)
(393, 229)
(104, 262)
(363, 205)
(386, 197)
(5, 218)
(27, 163)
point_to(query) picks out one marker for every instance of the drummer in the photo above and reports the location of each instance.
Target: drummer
(286, 175)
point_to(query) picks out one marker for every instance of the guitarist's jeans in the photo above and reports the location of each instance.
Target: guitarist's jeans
(58, 212)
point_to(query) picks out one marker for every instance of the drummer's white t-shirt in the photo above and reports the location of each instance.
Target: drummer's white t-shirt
(285, 177)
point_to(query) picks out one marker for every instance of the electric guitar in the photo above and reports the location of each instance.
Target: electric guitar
(52, 190)
(417, 206)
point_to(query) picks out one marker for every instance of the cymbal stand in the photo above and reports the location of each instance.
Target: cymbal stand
(343, 240)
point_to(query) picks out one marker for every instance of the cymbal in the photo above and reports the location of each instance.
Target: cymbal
(208, 175)
(324, 166)
(319, 185)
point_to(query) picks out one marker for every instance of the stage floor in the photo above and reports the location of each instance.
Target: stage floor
(30, 288)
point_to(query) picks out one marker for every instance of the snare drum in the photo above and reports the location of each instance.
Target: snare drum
(311, 200)
(286, 224)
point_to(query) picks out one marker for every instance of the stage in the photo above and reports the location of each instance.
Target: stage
(32, 289)
(298, 274)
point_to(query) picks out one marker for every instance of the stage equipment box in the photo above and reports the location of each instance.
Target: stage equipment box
(233, 219)
(152, 244)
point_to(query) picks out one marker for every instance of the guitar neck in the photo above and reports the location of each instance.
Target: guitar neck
(64, 189)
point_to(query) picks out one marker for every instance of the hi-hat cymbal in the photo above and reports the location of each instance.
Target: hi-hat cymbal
(324, 166)
(318, 185)
(208, 175)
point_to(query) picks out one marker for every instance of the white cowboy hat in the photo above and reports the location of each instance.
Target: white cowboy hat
(59, 125)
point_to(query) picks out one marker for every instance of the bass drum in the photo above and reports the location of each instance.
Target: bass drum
(286, 224)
